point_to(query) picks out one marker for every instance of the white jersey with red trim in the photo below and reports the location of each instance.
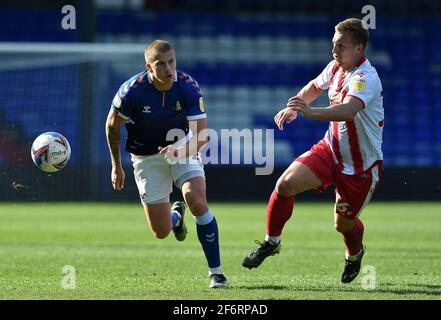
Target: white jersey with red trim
(355, 144)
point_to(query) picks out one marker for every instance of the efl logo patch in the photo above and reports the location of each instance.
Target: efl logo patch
(359, 85)
(201, 104)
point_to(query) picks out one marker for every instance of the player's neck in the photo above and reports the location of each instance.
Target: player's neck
(157, 84)
(161, 86)
(359, 61)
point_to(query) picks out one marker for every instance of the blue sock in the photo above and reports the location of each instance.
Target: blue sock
(208, 235)
(175, 218)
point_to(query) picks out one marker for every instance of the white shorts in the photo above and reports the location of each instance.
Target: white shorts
(154, 176)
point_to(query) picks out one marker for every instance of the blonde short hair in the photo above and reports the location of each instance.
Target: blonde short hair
(155, 48)
(354, 26)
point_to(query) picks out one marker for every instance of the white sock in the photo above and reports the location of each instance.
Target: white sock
(217, 270)
(204, 219)
(272, 240)
(353, 258)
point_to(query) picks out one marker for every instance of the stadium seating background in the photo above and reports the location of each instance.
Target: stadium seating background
(247, 63)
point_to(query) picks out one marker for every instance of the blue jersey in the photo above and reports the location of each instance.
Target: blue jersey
(150, 113)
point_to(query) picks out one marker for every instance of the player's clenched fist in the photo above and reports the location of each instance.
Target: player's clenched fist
(117, 177)
(283, 115)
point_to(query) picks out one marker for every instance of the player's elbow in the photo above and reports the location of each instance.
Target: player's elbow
(112, 124)
(350, 109)
(111, 128)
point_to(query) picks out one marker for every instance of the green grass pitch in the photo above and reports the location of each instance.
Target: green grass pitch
(116, 257)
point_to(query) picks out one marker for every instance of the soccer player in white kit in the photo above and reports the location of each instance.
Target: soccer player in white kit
(349, 155)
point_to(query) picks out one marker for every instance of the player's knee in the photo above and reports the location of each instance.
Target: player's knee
(199, 208)
(285, 187)
(160, 234)
(343, 227)
(197, 205)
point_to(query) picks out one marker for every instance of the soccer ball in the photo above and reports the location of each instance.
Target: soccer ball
(50, 151)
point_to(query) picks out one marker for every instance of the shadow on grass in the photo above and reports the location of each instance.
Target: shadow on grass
(264, 287)
(397, 291)
(431, 290)
(430, 286)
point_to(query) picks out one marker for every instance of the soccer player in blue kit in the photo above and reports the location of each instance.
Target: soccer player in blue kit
(152, 103)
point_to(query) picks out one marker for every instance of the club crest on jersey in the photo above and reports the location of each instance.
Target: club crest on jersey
(178, 106)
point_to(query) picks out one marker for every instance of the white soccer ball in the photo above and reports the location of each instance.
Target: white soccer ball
(50, 151)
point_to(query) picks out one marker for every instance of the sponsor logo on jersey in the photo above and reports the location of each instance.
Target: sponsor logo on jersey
(201, 104)
(146, 109)
(138, 143)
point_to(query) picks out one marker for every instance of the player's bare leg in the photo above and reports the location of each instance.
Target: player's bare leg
(194, 192)
(352, 231)
(162, 219)
(159, 219)
(297, 178)
(343, 225)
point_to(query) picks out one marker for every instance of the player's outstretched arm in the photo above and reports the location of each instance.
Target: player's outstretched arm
(309, 93)
(113, 128)
(345, 111)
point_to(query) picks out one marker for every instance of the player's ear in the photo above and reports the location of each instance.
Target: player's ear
(148, 67)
